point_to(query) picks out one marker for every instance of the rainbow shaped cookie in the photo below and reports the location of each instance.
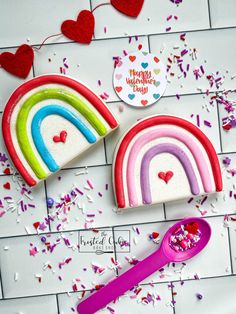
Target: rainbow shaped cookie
(163, 158)
(50, 120)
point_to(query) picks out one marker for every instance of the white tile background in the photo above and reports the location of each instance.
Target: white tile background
(210, 27)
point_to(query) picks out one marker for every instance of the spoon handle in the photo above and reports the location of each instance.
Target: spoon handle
(121, 284)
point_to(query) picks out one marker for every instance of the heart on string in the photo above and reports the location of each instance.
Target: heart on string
(165, 176)
(20, 63)
(60, 138)
(128, 7)
(81, 30)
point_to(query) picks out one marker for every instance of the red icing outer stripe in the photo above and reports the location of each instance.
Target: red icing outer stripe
(153, 121)
(37, 82)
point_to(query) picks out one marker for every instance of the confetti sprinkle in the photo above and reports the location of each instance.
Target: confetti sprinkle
(185, 237)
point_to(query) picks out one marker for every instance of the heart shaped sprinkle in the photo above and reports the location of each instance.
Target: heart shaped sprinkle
(7, 186)
(7, 171)
(165, 176)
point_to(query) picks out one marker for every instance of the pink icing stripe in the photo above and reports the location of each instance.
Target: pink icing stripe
(152, 135)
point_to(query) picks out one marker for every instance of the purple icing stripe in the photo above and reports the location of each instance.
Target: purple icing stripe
(178, 153)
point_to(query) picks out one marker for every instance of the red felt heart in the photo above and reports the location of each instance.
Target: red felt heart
(7, 186)
(20, 63)
(128, 7)
(165, 176)
(60, 138)
(81, 30)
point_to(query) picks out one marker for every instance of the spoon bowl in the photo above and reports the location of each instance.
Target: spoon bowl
(173, 256)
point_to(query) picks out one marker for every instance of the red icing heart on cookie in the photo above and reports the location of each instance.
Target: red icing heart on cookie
(81, 30)
(60, 138)
(20, 63)
(128, 7)
(165, 176)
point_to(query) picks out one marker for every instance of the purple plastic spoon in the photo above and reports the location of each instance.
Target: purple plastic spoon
(164, 255)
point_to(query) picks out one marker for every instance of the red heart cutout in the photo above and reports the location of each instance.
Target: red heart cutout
(132, 58)
(144, 102)
(20, 63)
(60, 138)
(165, 176)
(118, 89)
(7, 186)
(81, 30)
(128, 7)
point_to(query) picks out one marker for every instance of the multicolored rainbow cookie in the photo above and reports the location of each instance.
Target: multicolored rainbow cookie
(163, 158)
(50, 120)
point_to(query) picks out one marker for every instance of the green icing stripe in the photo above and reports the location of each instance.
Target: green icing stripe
(21, 122)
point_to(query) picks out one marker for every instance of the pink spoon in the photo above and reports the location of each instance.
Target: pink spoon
(164, 255)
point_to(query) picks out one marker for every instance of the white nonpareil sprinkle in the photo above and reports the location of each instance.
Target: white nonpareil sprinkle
(16, 276)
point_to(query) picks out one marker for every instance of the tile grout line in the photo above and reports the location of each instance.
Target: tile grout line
(149, 46)
(209, 13)
(230, 252)
(164, 209)
(197, 93)
(58, 307)
(141, 284)
(105, 150)
(108, 226)
(172, 297)
(126, 37)
(1, 283)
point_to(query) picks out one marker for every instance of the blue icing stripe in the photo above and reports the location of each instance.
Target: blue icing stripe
(37, 136)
